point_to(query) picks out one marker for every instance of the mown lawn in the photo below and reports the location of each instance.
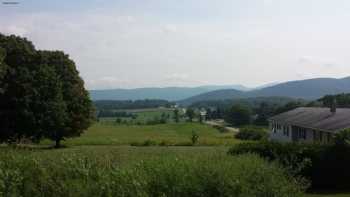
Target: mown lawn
(110, 133)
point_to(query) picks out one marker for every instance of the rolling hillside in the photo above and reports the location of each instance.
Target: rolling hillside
(168, 93)
(304, 89)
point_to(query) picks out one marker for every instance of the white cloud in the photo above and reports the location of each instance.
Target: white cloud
(177, 76)
(13, 29)
(107, 82)
(170, 28)
(232, 42)
(312, 61)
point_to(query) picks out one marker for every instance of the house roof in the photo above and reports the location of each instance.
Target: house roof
(316, 118)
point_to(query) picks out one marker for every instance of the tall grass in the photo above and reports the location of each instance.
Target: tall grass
(78, 175)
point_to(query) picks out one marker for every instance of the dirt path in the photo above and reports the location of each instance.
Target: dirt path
(221, 123)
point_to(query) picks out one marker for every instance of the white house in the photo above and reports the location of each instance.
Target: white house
(309, 124)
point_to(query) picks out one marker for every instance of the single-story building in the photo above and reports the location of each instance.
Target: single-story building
(309, 124)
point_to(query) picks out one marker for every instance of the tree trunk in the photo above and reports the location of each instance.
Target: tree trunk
(57, 143)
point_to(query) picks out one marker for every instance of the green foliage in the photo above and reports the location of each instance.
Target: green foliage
(326, 166)
(176, 115)
(221, 129)
(342, 138)
(120, 114)
(16, 88)
(263, 112)
(200, 119)
(41, 94)
(289, 106)
(145, 143)
(194, 138)
(118, 120)
(83, 175)
(3, 69)
(343, 100)
(129, 104)
(156, 120)
(238, 115)
(190, 114)
(295, 157)
(252, 133)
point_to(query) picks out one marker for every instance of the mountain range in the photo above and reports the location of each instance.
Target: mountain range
(167, 93)
(305, 89)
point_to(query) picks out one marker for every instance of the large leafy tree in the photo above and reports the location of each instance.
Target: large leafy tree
(238, 115)
(190, 114)
(176, 115)
(3, 68)
(78, 106)
(41, 94)
(16, 117)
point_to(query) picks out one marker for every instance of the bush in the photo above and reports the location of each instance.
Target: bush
(194, 138)
(327, 166)
(252, 133)
(145, 143)
(166, 143)
(222, 129)
(73, 175)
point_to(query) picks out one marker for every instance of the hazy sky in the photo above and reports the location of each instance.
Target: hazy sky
(141, 43)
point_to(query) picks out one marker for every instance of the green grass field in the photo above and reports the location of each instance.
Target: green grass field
(110, 133)
(144, 115)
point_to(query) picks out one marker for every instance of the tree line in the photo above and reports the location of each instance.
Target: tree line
(130, 104)
(41, 94)
(257, 111)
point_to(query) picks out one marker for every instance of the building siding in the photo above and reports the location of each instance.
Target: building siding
(279, 133)
(289, 133)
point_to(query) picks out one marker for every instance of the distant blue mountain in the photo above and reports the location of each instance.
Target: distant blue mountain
(168, 93)
(305, 89)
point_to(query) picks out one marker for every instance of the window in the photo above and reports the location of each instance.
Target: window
(328, 137)
(279, 126)
(301, 133)
(314, 134)
(286, 130)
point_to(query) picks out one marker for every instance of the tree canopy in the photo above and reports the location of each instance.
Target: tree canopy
(130, 104)
(342, 100)
(41, 94)
(190, 113)
(238, 115)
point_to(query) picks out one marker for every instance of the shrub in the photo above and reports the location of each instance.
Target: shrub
(165, 143)
(342, 138)
(252, 133)
(194, 138)
(327, 166)
(74, 175)
(221, 129)
(145, 143)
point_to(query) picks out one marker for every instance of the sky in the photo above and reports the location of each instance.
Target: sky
(160, 43)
